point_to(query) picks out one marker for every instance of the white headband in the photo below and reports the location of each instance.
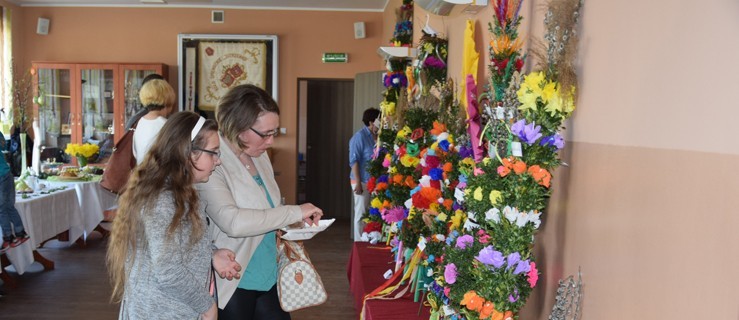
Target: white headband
(197, 128)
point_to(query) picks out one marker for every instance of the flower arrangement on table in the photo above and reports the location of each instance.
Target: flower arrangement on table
(488, 269)
(83, 152)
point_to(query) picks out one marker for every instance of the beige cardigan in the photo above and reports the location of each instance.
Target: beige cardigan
(239, 212)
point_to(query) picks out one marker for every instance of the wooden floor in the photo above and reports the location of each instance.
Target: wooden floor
(78, 287)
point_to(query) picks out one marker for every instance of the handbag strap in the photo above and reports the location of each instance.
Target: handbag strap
(289, 250)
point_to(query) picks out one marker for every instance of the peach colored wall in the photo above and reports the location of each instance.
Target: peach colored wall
(646, 207)
(150, 35)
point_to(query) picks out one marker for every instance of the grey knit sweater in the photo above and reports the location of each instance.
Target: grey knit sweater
(169, 279)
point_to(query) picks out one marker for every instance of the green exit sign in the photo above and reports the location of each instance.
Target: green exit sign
(335, 57)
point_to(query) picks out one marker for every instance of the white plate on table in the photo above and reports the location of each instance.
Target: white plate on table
(307, 232)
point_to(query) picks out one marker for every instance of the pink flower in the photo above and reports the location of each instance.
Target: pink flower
(447, 290)
(482, 236)
(450, 273)
(533, 275)
(478, 172)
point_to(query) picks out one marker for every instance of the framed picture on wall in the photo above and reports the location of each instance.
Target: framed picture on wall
(211, 64)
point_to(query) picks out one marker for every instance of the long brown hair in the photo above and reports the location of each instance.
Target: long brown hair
(168, 166)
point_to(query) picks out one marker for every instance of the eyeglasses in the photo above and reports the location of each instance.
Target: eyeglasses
(272, 134)
(217, 154)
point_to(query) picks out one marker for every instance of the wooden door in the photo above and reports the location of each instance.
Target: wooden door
(329, 127)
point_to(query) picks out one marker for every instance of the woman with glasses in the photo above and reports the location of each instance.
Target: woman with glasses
(159, 253)
(243, 204)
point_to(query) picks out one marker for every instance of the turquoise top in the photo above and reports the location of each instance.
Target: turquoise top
(261, 273)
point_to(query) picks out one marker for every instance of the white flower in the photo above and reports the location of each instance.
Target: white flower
(394, 227)
(522, 219)
(469, 225)
(408, 203)
(459, 195)
(493, 214)
(510, 213)
(535, 217)
(440, 237)
(442, 136)
(425, 181)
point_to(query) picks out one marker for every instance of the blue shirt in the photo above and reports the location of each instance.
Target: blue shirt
(361, 147)
(4, 168)
(261, 273)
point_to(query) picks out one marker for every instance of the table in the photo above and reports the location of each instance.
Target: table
(93, 200)
(365, 270)
(44, 217)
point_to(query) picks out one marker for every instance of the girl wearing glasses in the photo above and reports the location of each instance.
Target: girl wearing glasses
(243, 203)
(159, 252)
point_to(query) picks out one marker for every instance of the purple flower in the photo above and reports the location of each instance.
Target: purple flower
(522, 266)
(528, 133)
(450, 273)
(491, 257)
(436, 174)
(513, 259)
(434, 62)
(513, 297)
(553, 140)
(382, 178)
(394, 215)
(465, 152)
(464, 241)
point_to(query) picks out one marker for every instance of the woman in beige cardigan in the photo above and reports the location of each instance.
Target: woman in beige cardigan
(242, 201)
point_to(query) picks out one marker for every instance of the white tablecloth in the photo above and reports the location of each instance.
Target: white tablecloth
(45, 216)
(93, 200)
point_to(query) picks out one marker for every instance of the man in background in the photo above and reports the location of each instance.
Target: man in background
(361, 147)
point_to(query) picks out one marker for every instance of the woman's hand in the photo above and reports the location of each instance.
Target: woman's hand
(311, 213)
(211, 314)
(224, 262)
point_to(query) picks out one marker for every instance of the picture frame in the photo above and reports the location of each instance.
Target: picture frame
(210, 64)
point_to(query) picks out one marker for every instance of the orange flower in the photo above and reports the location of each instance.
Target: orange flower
(448, 204)
(514, 164)
(432, 194)
(496, 315)
(381, 186)
(487, 310)
(398, 179)
(508, 315)
(386, 204)
(410, 182)
(472, 301)
(448, 167)
(541, 175)
(438, 128)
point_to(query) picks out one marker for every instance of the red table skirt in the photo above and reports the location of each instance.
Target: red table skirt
(366, 266)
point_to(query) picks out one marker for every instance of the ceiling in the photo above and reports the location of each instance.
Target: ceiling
(320, 5)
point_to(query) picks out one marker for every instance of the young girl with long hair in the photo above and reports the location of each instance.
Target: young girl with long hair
(159, 252)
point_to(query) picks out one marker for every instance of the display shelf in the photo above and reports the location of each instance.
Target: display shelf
(388, 53)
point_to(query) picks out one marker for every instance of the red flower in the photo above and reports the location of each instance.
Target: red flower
(373, 226)
(432, 162)
(417, 134)
(519, 64)
(371, 184)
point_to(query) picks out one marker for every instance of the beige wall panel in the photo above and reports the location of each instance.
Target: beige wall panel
(654, 230)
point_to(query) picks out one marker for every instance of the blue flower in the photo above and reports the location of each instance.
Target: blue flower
(436, 174)
(444, 145)
(374, 212)
(553, 140)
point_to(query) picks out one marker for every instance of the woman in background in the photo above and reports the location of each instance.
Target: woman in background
(158, 98)
(159, 252)
(243, 203)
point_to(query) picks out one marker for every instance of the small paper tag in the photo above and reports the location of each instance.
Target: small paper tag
(516, 149)
(447, 310)
(421, 243)
(388, 274)
(499, 113)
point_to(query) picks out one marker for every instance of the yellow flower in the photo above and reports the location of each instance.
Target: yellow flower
(550, 89)
(86, 150)
(409, 161)
(428, 47)
(478, 194)
(533, 81)
(392, 170)
(376, 203)
(457, 219)
(495, 196)
(527, 99)
(486, 160)
(411, 213)
(441, 217)
(388, 108)
(402, 133)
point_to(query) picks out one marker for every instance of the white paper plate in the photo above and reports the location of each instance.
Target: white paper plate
(307, 232)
